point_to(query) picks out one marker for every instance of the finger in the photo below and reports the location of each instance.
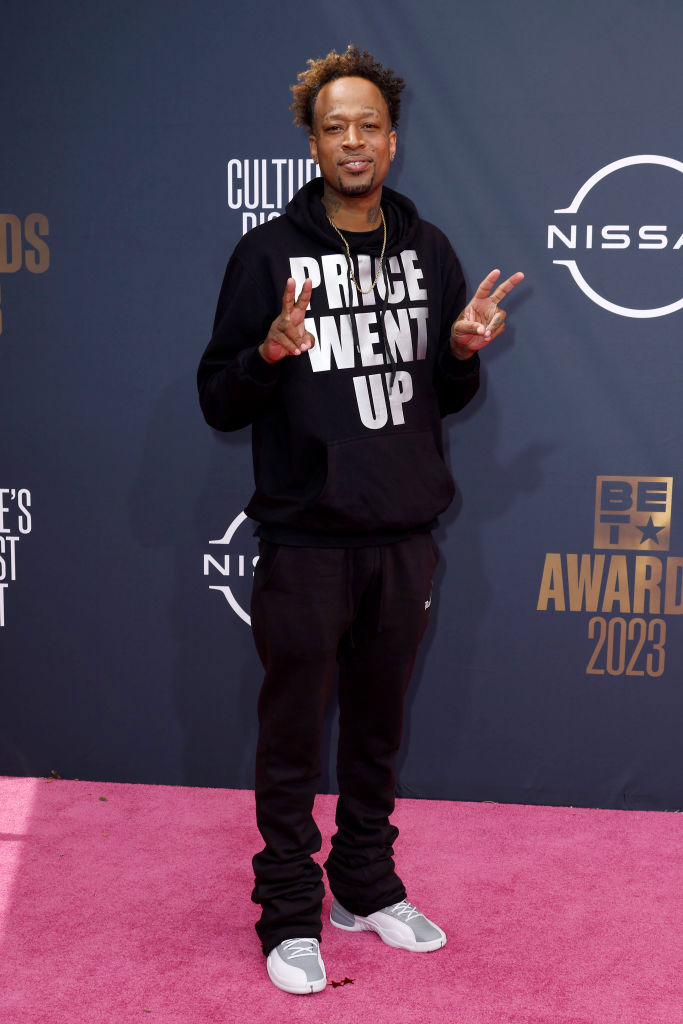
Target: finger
(497, 321)
(304, 294)
(486, 285)
(288, 296)
(290, 345)
(506, 287)
(307, 341)
(291, 338)
(474, 343)
(463, 327)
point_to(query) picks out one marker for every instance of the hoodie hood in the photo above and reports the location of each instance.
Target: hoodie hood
(307, 212)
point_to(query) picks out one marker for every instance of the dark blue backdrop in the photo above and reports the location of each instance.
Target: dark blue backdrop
(118, 209)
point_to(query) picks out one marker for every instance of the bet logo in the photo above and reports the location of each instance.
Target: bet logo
(239, 553)
(633, 513)
(621, 237)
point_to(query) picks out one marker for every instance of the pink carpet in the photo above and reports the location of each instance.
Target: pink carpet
(127, 903)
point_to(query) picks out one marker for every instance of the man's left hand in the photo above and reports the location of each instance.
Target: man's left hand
(481, 320)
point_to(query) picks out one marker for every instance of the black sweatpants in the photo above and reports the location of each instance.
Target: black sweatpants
(366, 609)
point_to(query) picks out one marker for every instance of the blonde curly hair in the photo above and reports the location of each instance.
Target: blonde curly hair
(351, 63)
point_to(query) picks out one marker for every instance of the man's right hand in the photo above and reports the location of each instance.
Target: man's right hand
(287, 335)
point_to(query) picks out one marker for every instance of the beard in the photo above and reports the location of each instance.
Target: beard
(361, 189)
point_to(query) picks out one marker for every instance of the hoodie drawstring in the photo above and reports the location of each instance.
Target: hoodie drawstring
(382, 313)
(389, 355)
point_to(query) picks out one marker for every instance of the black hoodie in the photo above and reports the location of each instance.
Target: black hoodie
(346, 438)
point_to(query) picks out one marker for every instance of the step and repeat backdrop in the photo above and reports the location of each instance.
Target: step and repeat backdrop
(139, 142)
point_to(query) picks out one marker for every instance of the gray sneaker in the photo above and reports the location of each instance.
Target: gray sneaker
(296, 966)
(401, 925)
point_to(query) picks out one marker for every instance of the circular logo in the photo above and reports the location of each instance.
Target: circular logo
(233, 561)
(618, 234)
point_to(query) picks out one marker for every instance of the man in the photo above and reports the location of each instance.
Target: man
(344, 377)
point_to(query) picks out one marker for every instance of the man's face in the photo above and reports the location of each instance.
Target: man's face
(352, 140)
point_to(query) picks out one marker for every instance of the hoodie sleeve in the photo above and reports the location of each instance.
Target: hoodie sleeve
(456, 381)
(235, 384)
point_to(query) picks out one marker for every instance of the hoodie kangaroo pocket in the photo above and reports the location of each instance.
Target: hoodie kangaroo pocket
(391, 482)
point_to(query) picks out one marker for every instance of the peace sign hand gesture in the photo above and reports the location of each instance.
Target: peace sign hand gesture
(481, 320)
(287, 335)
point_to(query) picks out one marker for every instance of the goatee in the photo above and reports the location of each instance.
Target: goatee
(360, 189)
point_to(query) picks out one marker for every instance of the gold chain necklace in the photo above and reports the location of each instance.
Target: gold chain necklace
(363, 291)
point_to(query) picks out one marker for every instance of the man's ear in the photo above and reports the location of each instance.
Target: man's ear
(313, 143)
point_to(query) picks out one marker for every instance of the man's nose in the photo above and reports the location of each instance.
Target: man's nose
(352, 137)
